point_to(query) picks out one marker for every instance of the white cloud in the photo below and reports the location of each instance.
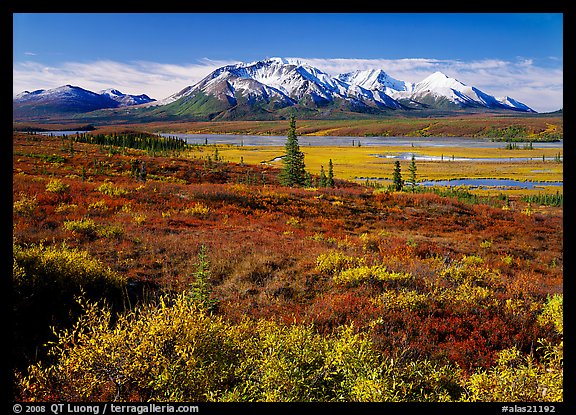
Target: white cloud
(539, 87)
(158, 80)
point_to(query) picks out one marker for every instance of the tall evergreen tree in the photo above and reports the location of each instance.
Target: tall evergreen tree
(323, 179)
(308, 180)
(412, 170)
(330, 181)
(293, 173)
(397, 177)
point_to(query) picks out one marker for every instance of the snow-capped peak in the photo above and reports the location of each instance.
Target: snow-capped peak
(296, 79)
(374, 79)
(290, 81)
(125, 99)
(439, 80)
(512, 103)
(111, 92)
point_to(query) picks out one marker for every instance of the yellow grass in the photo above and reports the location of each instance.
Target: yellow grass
(351, 163)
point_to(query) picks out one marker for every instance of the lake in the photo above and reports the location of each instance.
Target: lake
(419, 157)
(486, 183)
(276, 140)
(304, 140)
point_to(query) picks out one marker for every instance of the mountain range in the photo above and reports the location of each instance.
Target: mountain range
(69, 99)
(272, 88)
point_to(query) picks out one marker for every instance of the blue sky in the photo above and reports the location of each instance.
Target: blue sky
(515, 54)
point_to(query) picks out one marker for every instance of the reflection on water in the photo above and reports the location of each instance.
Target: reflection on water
(419, 157)
(348, 141)
(412, 142)
(484, 183)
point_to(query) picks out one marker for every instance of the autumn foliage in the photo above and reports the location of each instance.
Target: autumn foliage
(209, 281)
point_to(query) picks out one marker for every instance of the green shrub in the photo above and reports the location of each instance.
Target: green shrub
(469, 270)
(405, 300)
(197, 209)
(84, 226)
(91, 229)
(111, 231)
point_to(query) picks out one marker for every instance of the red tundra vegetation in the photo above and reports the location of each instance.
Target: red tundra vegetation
(448, 298)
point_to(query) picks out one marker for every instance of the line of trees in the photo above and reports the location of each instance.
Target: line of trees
(137, 140)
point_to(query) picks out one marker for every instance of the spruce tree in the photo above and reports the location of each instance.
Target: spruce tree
(293, 173)
(323, 179)
(330, 181)
(396, 177)
(308, 180)
(412, 170)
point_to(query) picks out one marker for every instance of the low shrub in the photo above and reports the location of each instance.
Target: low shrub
(83, 226)
(359, 275)
(46, 281)
(91, 229)
(553, 312)
(176, 351)
(336, 261)
(197, 209)
(110, 189)
(517, 378)
(25, 206)
(57, 186)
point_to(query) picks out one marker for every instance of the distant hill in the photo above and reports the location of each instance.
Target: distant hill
(70, 100)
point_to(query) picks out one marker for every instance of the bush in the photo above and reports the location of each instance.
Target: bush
(84, 226)
(176, 351)
(405, 300)
(25, 206)
(520, 378)
(57, 186)
(469, 270)
(197, 209)
(517, 378)
(46, 281)
(553, 312)
(91, 229)
(109, 189)
(358, 275)
(336, 261)
(169, 353)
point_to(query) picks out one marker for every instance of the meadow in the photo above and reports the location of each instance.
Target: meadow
(194, 275)
(352, 163)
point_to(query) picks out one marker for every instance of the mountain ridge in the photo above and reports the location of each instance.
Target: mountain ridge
(272, 87)
(71, 99)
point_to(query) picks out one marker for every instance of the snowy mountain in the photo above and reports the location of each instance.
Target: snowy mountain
(271, 88)
(126, 100)
(69, 99)
(276, 83)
